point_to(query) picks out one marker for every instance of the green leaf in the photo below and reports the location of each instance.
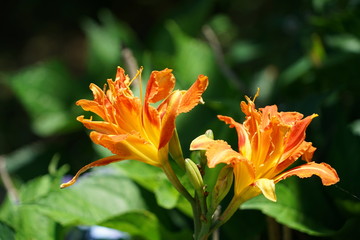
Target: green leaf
(151, 178)
(96, 196)
(192, 57)
(345, 42)
(295, 71)
(166, 194)
(6, 233)
(23, 156)
(136, 223)
(303, 208)
(46, 90)
(104, 44)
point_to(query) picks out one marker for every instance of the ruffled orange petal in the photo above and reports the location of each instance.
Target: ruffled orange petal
(193, 95)
(297, 133)
(290, 117)
(202, 142)
(128, 146)
(159, 86)
(243, 137)
(299, 151)
(121, 80)
(151, 123)
(100, 126)
(100, 162)
(327, 174)
(220, 151)
(168, 118)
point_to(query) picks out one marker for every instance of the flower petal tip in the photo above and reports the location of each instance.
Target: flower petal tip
(67, 184)
(267, 187)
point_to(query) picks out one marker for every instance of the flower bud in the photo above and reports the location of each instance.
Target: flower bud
(222, 186)
(175, 149)
(194, 175)
(209, 133)
(202, 158)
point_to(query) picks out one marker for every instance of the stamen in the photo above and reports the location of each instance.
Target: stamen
(137, 74)
(256, 94)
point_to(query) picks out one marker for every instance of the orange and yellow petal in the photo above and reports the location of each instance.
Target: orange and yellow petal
(192, 96)
(121, 80)
(244, 173)
(160, 85)
(243, 137)
(327, 174)
(304, 149)
(98, 163)
(220, 151)
(129, 146)
(267, 187)
(202, 142)
(100, 126)
(297, 132)
(93, 106)
(168, 118)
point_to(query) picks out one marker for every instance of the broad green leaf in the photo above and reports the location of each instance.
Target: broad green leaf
(295, 71)
(149, 177)
(24, 217)
(104, 44)
(244, 51)
(166, 194)
(192, 56)
(32, 224)
(303, 208)
(6, 233)
(142, 224)
(153, 179)
(46, 90)
(345, 42)
(23, 156)
(96, 196)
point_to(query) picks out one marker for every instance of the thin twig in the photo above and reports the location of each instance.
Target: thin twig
(287, 233)
(220, 59)
(130, 61)
(8, 184)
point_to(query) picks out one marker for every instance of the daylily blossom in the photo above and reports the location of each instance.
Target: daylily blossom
(131, 128)
(268, 143)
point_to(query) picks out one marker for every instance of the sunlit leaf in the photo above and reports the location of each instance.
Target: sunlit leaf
(137, 223)
(192, 57)
(104, 44)
(303, 208)
(95, 197)
(6, 233)
(46, 90)
(344, 42)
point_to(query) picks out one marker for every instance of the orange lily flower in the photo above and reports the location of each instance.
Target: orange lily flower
(268, 143)
(132, 128)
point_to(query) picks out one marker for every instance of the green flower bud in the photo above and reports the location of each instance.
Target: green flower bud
(223, 185)
(175, 150)
(209, 133)
(194, 175)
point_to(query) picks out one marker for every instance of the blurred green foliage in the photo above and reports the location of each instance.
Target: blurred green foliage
(304, 55)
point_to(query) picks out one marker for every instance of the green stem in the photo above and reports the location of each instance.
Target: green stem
(169, 172)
